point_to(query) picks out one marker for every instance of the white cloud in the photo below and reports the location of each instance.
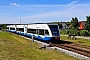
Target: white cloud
(14, 4)
(47, 13)
(74, 9)
(72, 3)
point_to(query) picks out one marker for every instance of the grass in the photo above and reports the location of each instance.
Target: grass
(77, 41)
(14, 47)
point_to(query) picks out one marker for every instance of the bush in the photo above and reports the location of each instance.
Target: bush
(68, 31)
(75, 32)
(71, 32)
(84, 33)
(89, 33)
(63, 32)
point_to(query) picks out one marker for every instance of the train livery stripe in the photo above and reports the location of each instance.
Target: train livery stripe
(30, 35)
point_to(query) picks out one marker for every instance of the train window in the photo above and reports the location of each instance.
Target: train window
(12, 28)
(41, 31)
(54, 29)
(53, 26)
(46, 32)
(36, 31)
(7, 28)
(20, 29)
(31, 31)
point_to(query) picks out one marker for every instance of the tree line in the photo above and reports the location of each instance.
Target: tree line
(74, 27)
(75, 23)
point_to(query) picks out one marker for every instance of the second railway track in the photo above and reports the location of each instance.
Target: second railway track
(74, 48)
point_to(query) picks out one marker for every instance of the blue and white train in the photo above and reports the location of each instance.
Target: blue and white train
(45, 32)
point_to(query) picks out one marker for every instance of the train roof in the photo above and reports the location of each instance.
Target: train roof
(11, 26)
(33, 23)
(34, 26)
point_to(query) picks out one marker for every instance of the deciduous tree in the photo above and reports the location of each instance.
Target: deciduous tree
(87, 23)
(75, 23)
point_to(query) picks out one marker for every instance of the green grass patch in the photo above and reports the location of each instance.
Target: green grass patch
(14, 47)
(77, 41)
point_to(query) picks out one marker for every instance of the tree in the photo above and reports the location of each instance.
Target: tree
(3, 26)
(75, 23)
(87, 23)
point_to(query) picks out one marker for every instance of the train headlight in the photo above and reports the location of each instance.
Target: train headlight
(57, 38)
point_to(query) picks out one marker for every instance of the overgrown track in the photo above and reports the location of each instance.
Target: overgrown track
(80, 49)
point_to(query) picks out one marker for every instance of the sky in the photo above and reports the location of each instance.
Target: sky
(43, 11)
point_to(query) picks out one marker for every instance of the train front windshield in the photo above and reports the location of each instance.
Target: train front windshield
(54, 29)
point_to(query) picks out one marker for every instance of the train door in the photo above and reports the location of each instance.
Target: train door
(37, 31)
(15, 27)
(46, 32)
(25, 29)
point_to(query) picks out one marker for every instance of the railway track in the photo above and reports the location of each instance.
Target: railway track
(80, 49)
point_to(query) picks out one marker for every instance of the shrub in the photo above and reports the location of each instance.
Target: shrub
(84, 33)
(63, 32)
(68, 31)
(89, 33)
(77, 33)
(71, 32)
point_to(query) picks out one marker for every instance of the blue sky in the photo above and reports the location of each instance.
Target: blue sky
(40, 11)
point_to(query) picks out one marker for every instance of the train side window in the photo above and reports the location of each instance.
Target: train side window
(12, 28)
(17, 29)
(41, 31)
(7, 28)
(46, 32)
(36, 31)
(31, 31)
(20, 29)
